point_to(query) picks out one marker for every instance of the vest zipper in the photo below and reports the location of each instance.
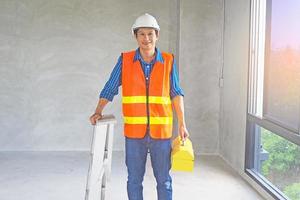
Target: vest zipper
(147, 103)
(147, 100)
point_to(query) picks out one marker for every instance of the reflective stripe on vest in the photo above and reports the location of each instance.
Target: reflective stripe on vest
(143, 120)
(143, 99)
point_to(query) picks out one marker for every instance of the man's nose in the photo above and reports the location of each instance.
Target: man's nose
(147, 37)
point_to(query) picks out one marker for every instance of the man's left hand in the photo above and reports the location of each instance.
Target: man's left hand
(183, 132)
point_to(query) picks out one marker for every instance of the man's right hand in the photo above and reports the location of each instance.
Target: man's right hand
(95, 117)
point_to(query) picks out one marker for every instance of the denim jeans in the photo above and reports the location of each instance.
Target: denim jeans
(136, 156)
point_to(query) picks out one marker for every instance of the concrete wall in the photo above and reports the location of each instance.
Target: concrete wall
(55, 57)
(200, 63)
(235, 73)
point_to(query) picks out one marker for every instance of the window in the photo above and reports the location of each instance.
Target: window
(282, 69)
(280, 161)
(273, 120)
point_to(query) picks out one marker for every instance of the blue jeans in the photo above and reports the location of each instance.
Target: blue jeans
(136, 156)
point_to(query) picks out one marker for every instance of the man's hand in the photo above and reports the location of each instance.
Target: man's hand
(98, 112)
(95, 117)
(183, 132)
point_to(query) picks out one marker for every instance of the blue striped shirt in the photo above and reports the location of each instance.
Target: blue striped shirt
(111, 87)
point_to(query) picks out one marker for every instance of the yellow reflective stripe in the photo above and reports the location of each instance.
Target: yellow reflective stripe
(159, 100)
(134, 99)
(135, 120)
(142, 99)
(143, 120)
(161, 120)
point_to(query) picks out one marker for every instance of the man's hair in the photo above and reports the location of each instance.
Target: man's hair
(136, 30)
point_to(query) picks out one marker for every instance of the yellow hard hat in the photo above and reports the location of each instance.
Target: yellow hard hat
(145, 20)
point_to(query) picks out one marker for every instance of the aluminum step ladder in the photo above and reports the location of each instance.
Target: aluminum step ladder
(100, 158)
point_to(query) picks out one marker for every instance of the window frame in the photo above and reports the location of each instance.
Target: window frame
(260, 44)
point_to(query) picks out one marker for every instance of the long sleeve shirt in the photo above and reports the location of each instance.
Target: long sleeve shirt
(111, 87)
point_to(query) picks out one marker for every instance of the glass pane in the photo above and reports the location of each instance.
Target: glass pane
(280, 163)
(282, 71)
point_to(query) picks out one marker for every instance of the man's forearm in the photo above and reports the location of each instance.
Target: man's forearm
(101, 104)
(179, 109)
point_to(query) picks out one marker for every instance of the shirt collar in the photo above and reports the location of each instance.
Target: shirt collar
(158, 57)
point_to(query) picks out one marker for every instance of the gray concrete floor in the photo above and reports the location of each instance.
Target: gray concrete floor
(62, 176)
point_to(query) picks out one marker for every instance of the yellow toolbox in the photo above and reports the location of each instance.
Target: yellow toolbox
(182, 155)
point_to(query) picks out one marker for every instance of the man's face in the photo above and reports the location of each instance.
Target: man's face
(146, 38)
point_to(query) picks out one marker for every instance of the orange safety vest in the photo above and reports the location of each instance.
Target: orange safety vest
(146, 107)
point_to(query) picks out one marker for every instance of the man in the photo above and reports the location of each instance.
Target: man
(150, 87)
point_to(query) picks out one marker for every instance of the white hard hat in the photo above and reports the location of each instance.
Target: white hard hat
(145, 20)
